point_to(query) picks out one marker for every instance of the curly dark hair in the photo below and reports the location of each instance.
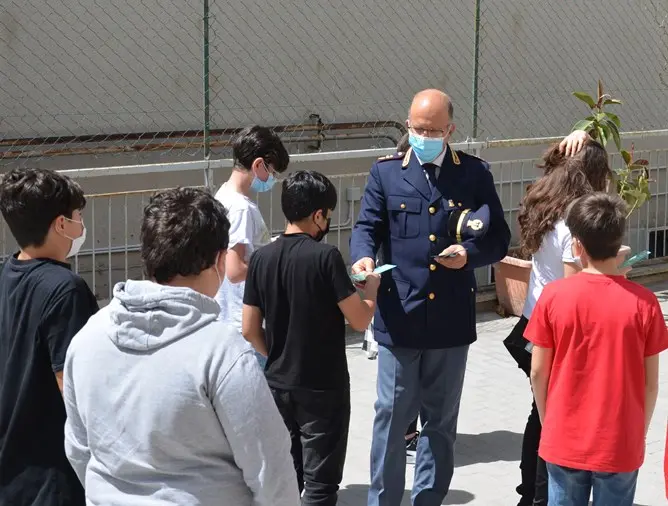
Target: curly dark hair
(182, 232)
(564, 180)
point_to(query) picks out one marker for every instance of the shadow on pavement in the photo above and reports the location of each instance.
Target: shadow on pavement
(497, 446)
(356, 495)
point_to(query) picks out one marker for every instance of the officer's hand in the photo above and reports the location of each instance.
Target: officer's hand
(455, 262)
(572, 144)
(365, 264)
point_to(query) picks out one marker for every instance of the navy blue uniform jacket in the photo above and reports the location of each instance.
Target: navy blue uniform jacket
(420, 303)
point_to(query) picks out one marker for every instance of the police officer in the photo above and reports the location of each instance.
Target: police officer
(425, 318)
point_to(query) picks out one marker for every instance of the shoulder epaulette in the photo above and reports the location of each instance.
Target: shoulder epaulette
(464, 154)
(393, 156)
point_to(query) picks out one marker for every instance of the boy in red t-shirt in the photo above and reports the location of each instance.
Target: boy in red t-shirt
(595, 364)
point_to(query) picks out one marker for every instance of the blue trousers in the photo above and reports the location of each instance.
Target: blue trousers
(409, 380)
(572, 487)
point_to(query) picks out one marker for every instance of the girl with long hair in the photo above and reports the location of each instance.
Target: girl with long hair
(545, 236)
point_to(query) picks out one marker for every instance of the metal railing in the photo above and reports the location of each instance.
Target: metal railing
(111, 252)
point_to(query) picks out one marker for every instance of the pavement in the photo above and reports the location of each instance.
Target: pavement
(495, 405)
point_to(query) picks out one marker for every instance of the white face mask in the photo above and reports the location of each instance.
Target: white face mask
(77, 242)
(215, 266)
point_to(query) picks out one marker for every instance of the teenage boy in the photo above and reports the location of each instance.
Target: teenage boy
(165, 404)
(302, 289)
(595, 364)
(43, 304)
(259, 154)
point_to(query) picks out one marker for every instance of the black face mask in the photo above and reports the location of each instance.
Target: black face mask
(322, 233)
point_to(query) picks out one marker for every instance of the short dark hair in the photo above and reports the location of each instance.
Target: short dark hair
(304, 193)
(30, 199)
(182, 232)
(598, 221)
(260, 142)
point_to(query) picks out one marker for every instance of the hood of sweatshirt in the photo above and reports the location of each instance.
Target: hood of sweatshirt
(146, 315)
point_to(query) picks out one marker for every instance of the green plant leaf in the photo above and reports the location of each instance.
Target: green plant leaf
(583, 124)
(643, 184)
(585, 97)
(626, 156)
(614, 118)
(601, 101)
(641, 162)
(613, 132)
(602, 135)
(612, 101)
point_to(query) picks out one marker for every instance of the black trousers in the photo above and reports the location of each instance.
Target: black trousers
(533, 488)
(318, 425)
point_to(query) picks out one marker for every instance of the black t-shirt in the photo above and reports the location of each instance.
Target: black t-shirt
(42, 306)
(297, 283)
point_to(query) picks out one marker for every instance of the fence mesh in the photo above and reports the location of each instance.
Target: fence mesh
(534, 53)
(94, 79)
(86, 82)
(335, 74)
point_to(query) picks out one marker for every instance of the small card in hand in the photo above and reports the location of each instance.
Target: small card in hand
(378, 270)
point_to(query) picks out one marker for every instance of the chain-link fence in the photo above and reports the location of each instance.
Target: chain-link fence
(83, 79)
(88, 83)
(534, 53)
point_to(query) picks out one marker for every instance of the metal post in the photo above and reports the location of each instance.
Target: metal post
(208, 172)
(476, 65)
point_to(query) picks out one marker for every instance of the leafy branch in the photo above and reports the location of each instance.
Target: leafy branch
(632, 180)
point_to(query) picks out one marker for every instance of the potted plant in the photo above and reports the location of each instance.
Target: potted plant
(511, 274)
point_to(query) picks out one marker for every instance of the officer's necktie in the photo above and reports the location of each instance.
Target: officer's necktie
(430, 170)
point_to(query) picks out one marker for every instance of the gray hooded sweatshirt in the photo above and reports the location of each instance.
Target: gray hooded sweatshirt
(167, 406)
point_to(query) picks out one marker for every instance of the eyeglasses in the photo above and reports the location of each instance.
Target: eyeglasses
(428, 132)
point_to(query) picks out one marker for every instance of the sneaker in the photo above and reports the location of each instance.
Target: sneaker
(411, 448)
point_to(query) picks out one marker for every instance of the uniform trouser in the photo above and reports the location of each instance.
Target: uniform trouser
(318, 423)
(409, 380)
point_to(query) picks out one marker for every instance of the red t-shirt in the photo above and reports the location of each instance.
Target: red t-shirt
(601, 329)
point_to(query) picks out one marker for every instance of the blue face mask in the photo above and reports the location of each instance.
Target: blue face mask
(263, 186)
(426, 148)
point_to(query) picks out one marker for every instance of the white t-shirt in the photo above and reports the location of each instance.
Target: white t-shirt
(247, 227)
(547, 263)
